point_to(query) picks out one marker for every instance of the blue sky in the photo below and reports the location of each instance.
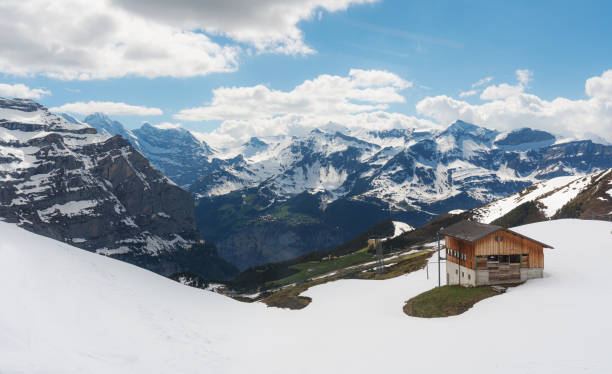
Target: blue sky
(441, 47)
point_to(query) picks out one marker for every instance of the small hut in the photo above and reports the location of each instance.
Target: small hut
(480, 254)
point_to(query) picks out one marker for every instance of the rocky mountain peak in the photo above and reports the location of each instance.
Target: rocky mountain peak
(524, 139)
(22, 105)
(461, 129)
(67, 182)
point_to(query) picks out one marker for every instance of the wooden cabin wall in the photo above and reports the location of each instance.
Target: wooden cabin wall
(463, 247)
(511, 245)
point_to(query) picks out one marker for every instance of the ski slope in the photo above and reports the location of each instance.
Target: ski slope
(65, 310)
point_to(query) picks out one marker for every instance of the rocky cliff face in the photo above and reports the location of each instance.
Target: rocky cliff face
(65, 181)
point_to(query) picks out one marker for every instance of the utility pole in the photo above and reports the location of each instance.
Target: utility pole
(380, 267)
(439, 281)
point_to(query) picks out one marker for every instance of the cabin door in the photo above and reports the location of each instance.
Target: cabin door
(504, 269)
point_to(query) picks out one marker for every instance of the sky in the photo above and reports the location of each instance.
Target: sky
(242, 68)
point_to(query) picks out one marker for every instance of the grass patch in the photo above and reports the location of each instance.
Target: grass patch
(401, 265)
(310, 269)
(290, 297)
(446, 301)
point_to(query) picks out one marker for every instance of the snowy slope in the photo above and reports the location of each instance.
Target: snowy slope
(70, 311)
(551, 195)
(400, 228)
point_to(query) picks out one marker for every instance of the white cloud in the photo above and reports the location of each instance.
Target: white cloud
(22, 91)
(600, 86)
(236, 132)
(107, 107)
(524, 76)
(576, 118)
(482, 81)
(269, 25)
(324, 96)
(167, 126)
(358, 100)
(468, 93)
(82, 39)
(505, 90)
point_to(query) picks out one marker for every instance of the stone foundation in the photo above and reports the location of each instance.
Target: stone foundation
(457, 274)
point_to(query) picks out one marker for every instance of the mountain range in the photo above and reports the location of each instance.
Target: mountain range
(130, 194)
(274, 198)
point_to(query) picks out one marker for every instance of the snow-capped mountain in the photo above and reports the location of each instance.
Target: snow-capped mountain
(404, 168)
(105, 126)
(252, 202)
(171, 149)
(64, 180)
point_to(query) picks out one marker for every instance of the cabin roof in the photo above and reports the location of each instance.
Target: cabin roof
(472, 231)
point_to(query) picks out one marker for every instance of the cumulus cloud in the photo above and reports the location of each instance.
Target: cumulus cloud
(22, 91)
(358, 100)
(600, 86)
(574, 118)
(107, 107)
(326, 95)
(82, 39)
(505, 90)
(269, 25)
(236, 132)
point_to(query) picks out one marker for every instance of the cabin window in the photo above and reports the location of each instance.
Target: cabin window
(496, 238)
(504, 259)
(469, 276)
(515, 259)
(456, 271)
(462, 274)
(501, 238)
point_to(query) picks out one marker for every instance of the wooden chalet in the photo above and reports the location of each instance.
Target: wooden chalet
(480, 254)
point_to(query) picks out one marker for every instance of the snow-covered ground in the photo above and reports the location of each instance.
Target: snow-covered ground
(553, 194)
(65, 310)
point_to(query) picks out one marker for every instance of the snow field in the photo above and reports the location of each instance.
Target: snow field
(66, 310)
